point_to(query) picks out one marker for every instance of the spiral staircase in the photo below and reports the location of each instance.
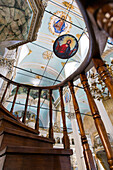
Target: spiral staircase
(21, 147)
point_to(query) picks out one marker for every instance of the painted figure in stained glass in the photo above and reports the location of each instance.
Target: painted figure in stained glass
(60, 23)
(65, 46)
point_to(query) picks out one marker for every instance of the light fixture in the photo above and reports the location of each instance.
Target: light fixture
(97, 86)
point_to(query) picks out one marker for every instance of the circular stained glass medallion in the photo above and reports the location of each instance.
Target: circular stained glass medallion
(65, 46)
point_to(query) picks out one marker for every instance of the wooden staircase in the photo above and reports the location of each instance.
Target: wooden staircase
(22, 149)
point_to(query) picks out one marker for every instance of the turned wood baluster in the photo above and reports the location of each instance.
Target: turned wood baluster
(65, 135)
(25, 112)
(38, 112)
(50, 114)
(5, 92)
(86, 150)
(98, 121)
(104, 73)
(14, 100)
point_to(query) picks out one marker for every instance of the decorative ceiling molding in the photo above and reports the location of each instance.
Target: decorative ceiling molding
(40, 66)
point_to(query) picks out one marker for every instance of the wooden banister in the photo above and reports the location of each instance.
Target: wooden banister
(50, 115)
(25, 112)
(98, 121)
(65, 135)
(14, 100)
(86, 150)
(5, 91)
(38, 111)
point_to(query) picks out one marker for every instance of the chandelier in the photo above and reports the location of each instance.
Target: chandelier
(98, 88)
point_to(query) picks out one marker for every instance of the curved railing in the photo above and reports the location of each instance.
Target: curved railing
(93, 58)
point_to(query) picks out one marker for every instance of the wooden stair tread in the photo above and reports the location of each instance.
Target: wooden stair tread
(26, 134)
(35, 150)
(19, 124)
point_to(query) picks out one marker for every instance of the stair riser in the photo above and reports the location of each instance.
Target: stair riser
(34, 161)
(4, 123)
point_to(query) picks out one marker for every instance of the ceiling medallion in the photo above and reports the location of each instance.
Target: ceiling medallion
(65, 46)
(58, 25)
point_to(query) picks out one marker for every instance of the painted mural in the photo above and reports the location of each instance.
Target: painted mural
(65, 46)
(15, 19)
(33, 93)
(58, 23)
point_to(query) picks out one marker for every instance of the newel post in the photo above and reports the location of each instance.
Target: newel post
(65, 135)
(86, 150)
(98, 121)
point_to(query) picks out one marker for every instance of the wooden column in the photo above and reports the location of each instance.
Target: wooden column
(50, 114)
(5, 92)
(38, 112)
(104, 73)
(65, 135)
(14, 100)
(98, 121)
(86, 150)
(25, 112)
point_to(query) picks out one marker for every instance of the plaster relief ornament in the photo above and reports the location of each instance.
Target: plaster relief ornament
(58, 24)
(47, 55)
(65, 46)
(68, 5)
